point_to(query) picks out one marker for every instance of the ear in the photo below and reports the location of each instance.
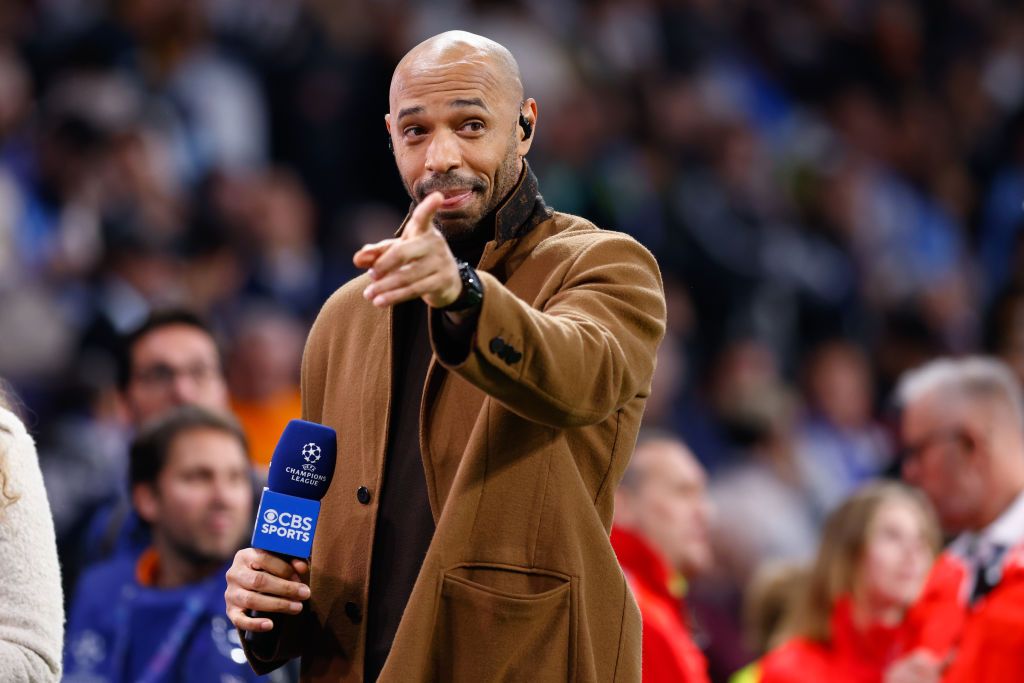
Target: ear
(529, 112)
(387, 122)
(144, 499)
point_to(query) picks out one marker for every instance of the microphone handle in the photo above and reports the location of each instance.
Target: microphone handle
(263, 643)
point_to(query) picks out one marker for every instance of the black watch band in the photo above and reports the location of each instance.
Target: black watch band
(472, 293)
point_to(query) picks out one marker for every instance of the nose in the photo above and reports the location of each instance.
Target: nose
(444, 153)
(185, 389)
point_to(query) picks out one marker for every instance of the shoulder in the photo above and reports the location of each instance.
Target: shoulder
(566, 231)
(17, 448)
(798, 659)
(98, 582)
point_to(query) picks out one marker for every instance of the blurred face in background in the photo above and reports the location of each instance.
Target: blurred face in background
(839, 384)
(172, 366)
(668, 505)
(896, 558)
(201, 505)
(940, 441)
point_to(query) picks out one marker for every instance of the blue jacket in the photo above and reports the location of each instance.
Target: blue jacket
(120, 630)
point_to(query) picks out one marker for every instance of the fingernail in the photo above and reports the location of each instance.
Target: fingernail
(303, 592)
(296, 606)
(368, 293)
(267, 625)
(379, 301)
(372, 273)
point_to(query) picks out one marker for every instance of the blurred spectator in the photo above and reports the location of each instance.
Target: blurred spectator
(770, 599)
(171, 360)
(876, 550)
(839, 445)
(161, 616)
(758, 414)
(32, 620)
(962, 432)
(660, 536)
(263, 373)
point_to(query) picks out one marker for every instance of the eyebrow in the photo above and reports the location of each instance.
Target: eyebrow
(459, 103)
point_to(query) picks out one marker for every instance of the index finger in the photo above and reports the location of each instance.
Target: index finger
(423, 215)
(273, 565)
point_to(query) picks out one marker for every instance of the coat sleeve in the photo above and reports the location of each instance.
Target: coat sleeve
(32, 617)
(587, 348)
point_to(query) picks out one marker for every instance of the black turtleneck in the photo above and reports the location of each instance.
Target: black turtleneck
(405, 522)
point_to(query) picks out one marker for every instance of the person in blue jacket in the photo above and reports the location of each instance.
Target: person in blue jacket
(160, 617)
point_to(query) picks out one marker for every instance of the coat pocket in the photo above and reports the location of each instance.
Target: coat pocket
(502, 623)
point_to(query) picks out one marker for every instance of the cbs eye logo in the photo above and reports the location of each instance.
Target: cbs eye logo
(270, 516)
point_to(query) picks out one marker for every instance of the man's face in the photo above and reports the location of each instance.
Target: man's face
(173, 366)
(670, 507)
(455, 129)
(201, 505)
(936, 435)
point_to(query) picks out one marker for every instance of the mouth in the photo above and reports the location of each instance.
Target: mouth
(455, 198)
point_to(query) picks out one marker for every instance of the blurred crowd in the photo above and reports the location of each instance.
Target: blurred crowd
(833, 189)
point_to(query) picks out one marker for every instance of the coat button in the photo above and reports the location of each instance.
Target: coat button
(497, 345)
(353, 612)
(513, 356)
(363, 495)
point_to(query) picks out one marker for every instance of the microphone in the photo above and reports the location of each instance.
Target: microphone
(300, 472)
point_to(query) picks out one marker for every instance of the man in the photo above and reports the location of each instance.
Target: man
(661, 539)
(161, 616)
(171, 360)
(962, 429)
(484, 415)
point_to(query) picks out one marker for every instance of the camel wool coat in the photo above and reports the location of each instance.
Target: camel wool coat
(525, 431)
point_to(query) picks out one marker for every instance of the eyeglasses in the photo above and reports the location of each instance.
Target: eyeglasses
(914, 451)
(163, 376)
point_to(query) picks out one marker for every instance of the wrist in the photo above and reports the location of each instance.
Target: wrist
(471, 293)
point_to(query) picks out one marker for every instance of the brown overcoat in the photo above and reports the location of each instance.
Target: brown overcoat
(524, 433)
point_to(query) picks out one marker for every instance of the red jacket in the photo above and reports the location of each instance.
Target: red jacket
(851, 656)
(669, 653)
(985, 641)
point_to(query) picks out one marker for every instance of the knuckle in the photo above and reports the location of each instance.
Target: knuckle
(258, 581)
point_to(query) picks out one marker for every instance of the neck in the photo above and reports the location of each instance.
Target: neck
(176, 570)
(999, 501)
(866, 614)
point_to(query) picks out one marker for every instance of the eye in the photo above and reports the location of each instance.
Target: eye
(474, 126)
(414, 132)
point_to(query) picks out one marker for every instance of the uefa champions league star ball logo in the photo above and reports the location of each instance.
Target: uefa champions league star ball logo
(311, 454)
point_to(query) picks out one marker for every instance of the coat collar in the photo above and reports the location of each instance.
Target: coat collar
(520, 212)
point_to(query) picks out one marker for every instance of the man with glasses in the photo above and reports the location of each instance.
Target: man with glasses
(962, 430)
(169, 361)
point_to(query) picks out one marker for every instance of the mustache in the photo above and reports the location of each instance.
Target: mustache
(447, 181)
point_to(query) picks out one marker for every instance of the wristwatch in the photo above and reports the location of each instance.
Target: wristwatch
(472, 293)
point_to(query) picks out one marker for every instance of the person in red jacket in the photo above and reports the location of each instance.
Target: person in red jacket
(962, 430)
(660, 536)
(847, 623)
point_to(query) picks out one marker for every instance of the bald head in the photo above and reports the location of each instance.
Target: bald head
(434, 56)
(663, 499)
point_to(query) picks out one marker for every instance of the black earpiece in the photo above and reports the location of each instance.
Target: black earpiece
(527, 127)
(391, 146)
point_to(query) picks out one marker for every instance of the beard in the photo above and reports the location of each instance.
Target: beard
(460, 223)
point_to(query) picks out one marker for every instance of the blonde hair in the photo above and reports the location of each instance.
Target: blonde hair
(843, 541)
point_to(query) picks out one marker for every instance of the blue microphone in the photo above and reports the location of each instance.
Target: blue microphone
(300, 472)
